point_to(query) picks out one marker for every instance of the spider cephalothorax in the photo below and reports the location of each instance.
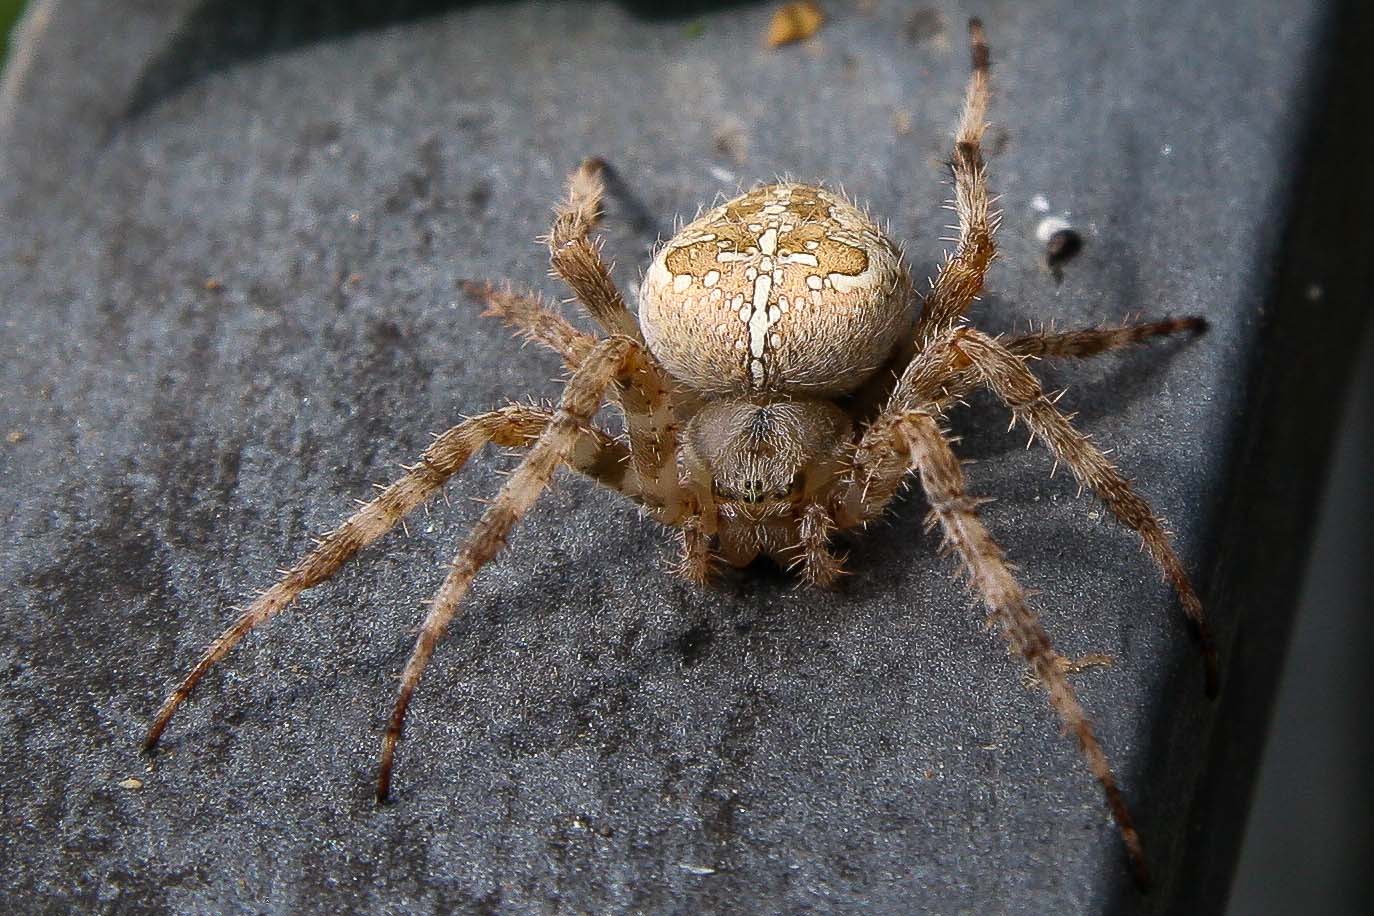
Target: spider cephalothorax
(778, 385)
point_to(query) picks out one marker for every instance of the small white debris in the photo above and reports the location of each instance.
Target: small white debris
(1049, 226)
(1039, 204)
(697, 869)
(133, 782)
(724, 176)
(1315, 292)
(1166, 150)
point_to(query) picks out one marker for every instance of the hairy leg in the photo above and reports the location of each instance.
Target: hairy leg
(943, 372)
(596, 455)
(1070, 666)
(532, 318)
(820, 566)
(991, 579)
(696, 564)
(933, 380)
(611, 359)
(574, 257)
(1087, 342)
(938, 377)
(876, 471)
(1006, 374)
(961, 276)
(647, 397)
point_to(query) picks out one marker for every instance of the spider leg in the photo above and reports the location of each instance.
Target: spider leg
(596, 455)
(1086, 342)
(1070, 666)
(531, 317)
(935, 378)
(575, 258)
(1007, 376)
(956, 513)
(612, 359)
(1078, 344)
(960, 278)
(820, 566)
(648, 397)
(696, 563)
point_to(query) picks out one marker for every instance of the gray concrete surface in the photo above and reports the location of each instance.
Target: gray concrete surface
(233, 238)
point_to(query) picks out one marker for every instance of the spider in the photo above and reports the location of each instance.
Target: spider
(780, 382)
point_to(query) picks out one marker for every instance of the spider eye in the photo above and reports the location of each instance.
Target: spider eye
(792, 487)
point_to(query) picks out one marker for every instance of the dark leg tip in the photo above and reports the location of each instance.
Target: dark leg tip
(1141, 875)
(978, 44)
(1212, 682)
(383, 794)
(151, 739)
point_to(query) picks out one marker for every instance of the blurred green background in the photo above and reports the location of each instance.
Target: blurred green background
(9, 12)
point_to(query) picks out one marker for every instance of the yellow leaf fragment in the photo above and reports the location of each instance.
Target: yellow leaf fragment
(794, 22)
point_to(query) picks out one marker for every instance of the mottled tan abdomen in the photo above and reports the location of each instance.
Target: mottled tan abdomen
(786, 289)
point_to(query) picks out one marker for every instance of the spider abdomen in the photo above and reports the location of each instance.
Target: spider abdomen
(788, 289)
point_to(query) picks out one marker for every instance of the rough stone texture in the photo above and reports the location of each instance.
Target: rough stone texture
(232, 239)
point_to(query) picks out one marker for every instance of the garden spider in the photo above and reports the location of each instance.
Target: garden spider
(778, 385)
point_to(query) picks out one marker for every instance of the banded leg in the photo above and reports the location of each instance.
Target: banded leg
(596, 455)
(877, 468)
(696, 563)
(960, 278)
(532, 318)
(820, 566)
(1007, 376)
(937, 376)
(612, 359)
(1086, 342)
(647, 398)
(575, 258)
(1077, 344)
(956, 513)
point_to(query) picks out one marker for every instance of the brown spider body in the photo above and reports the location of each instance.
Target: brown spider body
(785, 290)
(779, 385)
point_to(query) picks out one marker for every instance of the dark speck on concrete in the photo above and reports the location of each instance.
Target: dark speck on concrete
(924, 24)
(694, 643)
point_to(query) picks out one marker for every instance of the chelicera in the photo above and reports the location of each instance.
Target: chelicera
(780, 382)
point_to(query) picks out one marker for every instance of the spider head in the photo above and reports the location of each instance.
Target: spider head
(763, 457)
